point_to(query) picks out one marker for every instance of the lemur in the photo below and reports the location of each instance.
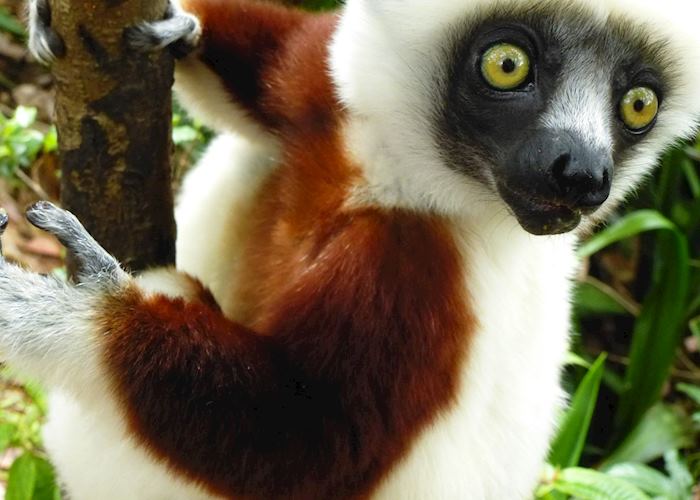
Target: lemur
(375, 257)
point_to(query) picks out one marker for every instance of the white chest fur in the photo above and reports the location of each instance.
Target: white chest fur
(492, 443)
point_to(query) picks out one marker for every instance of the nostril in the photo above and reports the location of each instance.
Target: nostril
(580, 184)
(560, 173)
(559, 166)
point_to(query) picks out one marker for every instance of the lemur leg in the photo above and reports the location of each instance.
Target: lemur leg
(226, 81)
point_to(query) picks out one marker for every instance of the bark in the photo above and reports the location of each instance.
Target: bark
(113, 111)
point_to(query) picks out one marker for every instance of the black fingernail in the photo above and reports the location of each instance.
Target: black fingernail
(40, 205)
(4, 220)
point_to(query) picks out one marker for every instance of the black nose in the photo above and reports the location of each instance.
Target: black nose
(582, 178)
(560, 168)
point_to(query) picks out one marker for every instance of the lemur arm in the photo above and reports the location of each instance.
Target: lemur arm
(231, 54)
(357, 351)
(242, 45)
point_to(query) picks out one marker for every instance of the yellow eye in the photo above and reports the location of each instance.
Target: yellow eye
(505, 66)
(639, 108)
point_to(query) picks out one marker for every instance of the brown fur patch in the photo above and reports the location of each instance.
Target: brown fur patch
(255, 48)
(357, 323)
(361, 349)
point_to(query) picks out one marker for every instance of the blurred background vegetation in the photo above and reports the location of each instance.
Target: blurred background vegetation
(631, 430)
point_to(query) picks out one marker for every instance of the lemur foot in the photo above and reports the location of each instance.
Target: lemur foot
(179, 31)
(93, 261)
(44, 43)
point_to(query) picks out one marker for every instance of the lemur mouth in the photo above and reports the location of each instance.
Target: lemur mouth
(538, 216)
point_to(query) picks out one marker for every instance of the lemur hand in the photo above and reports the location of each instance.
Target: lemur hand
(47, 325)
(178, 31)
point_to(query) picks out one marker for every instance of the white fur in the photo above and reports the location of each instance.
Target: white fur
(200, 91)
(212, 214)
(85, 433)
(63, 329)
(491, 444)
(96, 457)
(387, 60)
(215, 208)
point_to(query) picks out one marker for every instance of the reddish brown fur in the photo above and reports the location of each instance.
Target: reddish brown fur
(357, 321)
(249, 43)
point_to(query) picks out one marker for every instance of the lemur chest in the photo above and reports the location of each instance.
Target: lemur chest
(494, 439)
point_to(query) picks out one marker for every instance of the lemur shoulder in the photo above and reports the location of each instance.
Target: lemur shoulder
(374, 257)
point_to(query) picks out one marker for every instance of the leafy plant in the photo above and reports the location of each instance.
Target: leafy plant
(21, 143)
(10, 24)
(652, 423)
(22, 411)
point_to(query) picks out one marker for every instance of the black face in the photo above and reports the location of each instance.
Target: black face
(523, 105)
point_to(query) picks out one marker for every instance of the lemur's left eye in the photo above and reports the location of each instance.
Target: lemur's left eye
(505, 66)
(638, 108)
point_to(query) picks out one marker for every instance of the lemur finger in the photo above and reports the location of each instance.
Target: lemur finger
(180, 32)
(92, 260)
(44, 43)
(4, 220)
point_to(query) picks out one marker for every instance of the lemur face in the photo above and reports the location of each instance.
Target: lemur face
(546, 111)
(539, 110)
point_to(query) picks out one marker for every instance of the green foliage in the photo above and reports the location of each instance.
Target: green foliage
(22, 412)
(321, 4)
(188, 133)
(658, 329)
(588, 484)
(32, 478)
(10, 24)
(567, 447)
(646, 427)
(21, 143)
(662, 428)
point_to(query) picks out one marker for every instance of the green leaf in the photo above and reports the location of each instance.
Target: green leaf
(51, 141)
(321, 4)
(38, 396)
(632, 225)
(659, 327)
(25, 116)
(694, 325)
(46, 487)
(184, 133)
(7, 435)
(10, 24)
(22, 479)
(592, 300)
(645, 478)
(661, 429)
(691, 175)
(573, 359)
(568, 445)
(588, 484)
(678, 469)
(692, 391)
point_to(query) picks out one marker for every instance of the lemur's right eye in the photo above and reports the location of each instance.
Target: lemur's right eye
(505, 66)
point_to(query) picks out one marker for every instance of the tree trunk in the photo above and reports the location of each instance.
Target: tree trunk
(114, 124)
